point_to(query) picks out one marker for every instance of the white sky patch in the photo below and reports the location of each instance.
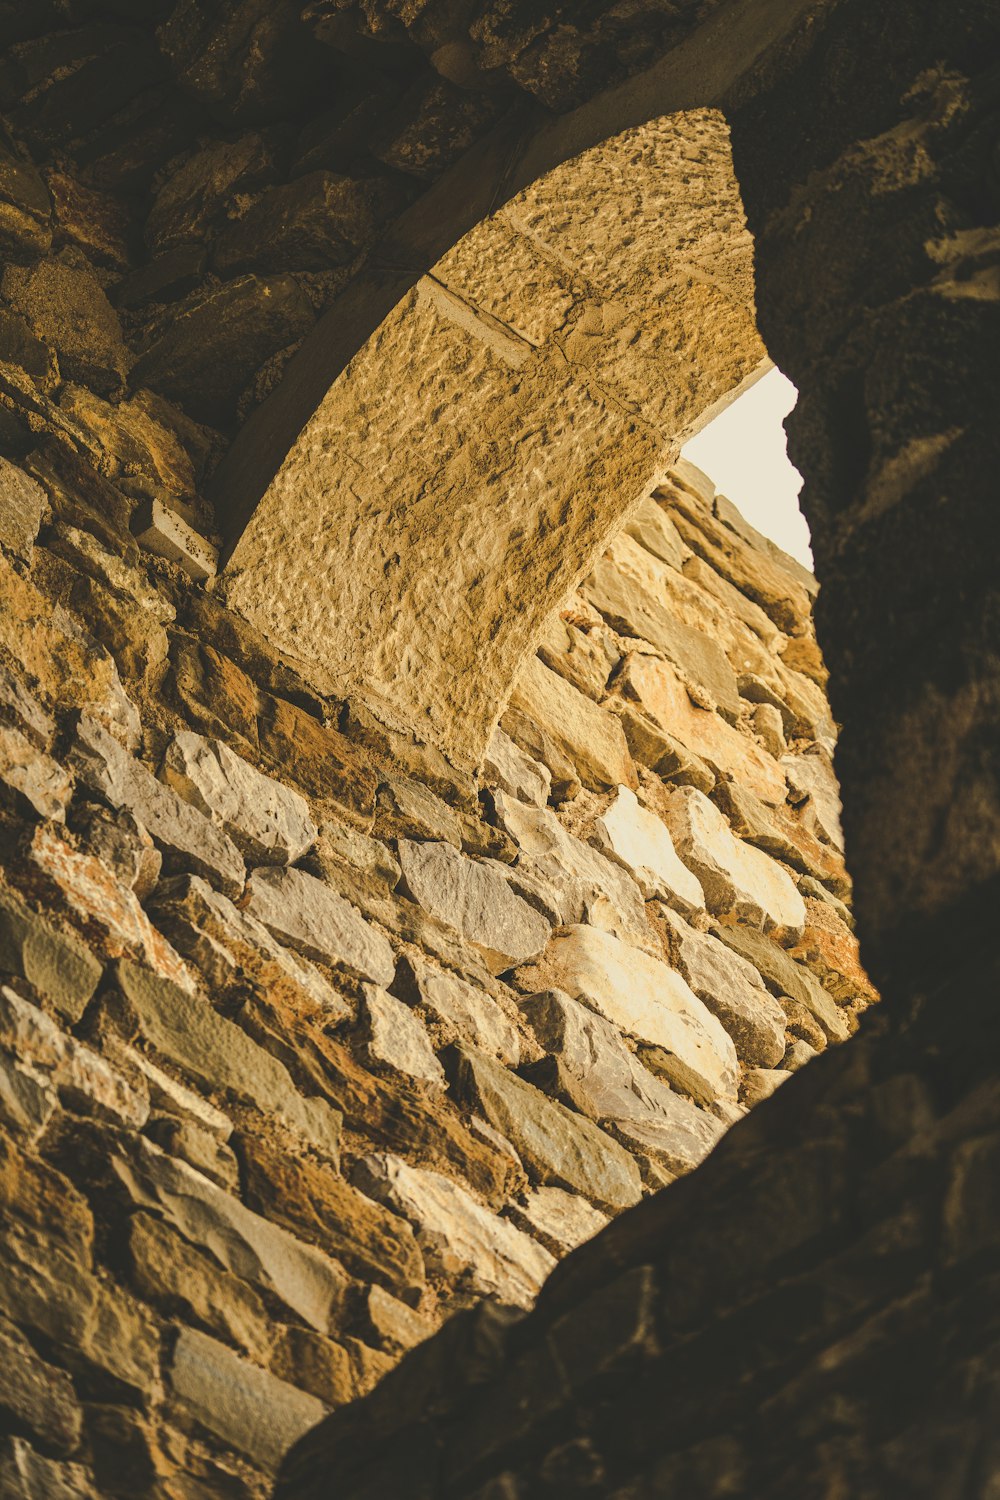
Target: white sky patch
(743, 452)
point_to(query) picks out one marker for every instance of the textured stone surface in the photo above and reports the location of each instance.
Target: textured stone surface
(557, 1146)
(457, 1235)
(640, 841)
(589, 737)
(578, 882)
(185, 1030)
(733, 990)
(246, 1407)
(476, 901)
(269, 822)
(461, 1010)
(559, 1220)
(305, 1279)
(56, 963)
(22, 503)
(738, 880)
(304, 913)
(646, 999)
(507, 767)
(161, 531)
(397, 1039)
(786, 977)
(177, 827)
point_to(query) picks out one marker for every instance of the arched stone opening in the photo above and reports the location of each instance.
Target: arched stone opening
(463, 472)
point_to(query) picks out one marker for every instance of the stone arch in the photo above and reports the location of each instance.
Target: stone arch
(459, 475)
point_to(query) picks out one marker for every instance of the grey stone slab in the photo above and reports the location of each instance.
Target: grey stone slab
(459, 1237)
(306, 914)
(784, 976)
(733, 991)
(269, 822)
(185, 1030)
(56, 963)
(476, 901)
(250, 1247)
(180, 829)
(460, 1009)
(247, 1407)
(559, 1148)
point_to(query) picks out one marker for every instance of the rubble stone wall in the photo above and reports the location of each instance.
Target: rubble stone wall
(307, 1039)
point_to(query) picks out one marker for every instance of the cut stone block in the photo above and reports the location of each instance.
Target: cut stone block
(268, 821)
(458, 1236)
(166, 534)
(739, 881)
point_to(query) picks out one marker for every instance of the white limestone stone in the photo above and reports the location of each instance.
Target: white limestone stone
(641, 841)
(268, 821)
(647, 999)
(507, 767)
(166, 534)
(459, 1237)
(582, 885)
(738, 880)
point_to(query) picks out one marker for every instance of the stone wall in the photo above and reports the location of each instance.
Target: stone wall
(307, 1039)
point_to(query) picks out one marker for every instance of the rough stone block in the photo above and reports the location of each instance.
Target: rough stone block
(178, 828)
(558, 1220)
(733, 991)
(459, 1009)
(35, 1395)
(311, 918)
(507, 767)
(458, 1236)
(739, 881)
(248, 1408)
(588, 736)
(248, 1246)
(474, 900)
(56, 963)
(397, 1039)
(186, 1031)
(558, 1147)
(268, 821)
(645, 998)
(33, 776)
(640, 841)
(26, 1475)
(784, 976)
(22, 505)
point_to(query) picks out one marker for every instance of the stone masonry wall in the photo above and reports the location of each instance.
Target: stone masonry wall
(308, 1041)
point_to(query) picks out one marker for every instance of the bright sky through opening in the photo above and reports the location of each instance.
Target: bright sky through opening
(743, 452)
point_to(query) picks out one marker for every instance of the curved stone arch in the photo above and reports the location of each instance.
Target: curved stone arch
(479, 410)
(456, 480)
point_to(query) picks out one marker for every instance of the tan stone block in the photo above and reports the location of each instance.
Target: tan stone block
(590, 737)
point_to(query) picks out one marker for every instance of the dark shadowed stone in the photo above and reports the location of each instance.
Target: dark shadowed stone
(474, 900)
(36, 1395)
(251, 1410)
(27, 1475)
(56, 963)
(204, 354)
(25, 207)
(22, 503)
(65, 306)
(187, 1031)
(557, 1146)
(315, 222)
